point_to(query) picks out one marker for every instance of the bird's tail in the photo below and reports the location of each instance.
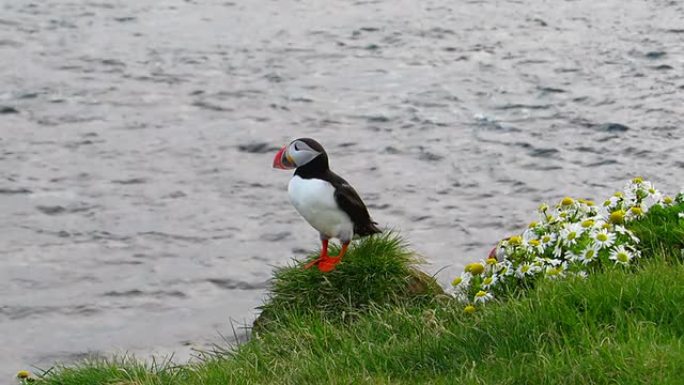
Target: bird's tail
(368, 229)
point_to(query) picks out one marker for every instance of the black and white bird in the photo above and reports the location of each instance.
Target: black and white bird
(323, 198)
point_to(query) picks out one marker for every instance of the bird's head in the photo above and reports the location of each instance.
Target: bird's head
(298, 153)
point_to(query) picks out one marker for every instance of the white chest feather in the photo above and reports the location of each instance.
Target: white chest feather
(314, 199)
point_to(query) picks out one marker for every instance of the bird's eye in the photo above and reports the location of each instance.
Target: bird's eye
(295, 146)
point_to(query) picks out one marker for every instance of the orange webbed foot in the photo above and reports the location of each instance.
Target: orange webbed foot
(328, 264)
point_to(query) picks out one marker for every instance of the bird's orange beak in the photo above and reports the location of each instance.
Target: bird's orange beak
(282, 160)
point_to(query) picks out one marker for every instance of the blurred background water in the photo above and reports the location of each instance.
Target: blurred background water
(138, 208)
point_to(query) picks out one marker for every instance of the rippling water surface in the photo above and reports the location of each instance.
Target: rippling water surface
(138, 208)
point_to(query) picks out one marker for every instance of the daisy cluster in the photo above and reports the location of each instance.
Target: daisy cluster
(570, 239)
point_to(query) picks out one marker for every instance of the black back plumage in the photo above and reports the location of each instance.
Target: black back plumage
(346, 197)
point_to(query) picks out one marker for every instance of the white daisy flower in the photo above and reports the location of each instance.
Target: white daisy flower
(489, 281)
(582, 274)
(570, 233)
(482, 296)
(570, 256)
(546, 240)
(504, 268)
(525, 269)
(680, 215)
(651, 200)
(611, 202)
(462, 281)
(555, 272)
(589, 254)
(621, 255)
(604, 239)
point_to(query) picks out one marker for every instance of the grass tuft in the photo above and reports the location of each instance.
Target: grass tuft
(376, 270)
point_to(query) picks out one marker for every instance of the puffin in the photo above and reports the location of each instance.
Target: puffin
(325, 200)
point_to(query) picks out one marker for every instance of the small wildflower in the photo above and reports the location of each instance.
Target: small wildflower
(570, 233)
(555, 272)
(504, 268)
(589, 254)
(475, 268)
(588, 223)
(543, 207)
(491, 261)
(488, 282)
(636, 210)
(680, 215)
(462, 281)
(604, 239)
(567, 201)
(515, 240)
(483, 296)
(469, 309)
(547, 239)
(23, 374)
(638, 180)
(621, 256)
(526, 269)
(534, 242)
(667, 200)
(617, 216)
(533, 224)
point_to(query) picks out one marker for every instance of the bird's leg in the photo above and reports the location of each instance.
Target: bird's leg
(324, 254)
(329, 263)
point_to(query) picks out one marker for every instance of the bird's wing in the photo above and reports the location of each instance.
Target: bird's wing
(350, 202)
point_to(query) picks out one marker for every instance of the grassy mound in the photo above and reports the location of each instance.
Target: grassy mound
(377, 270)
(621, 325)
(661, 231)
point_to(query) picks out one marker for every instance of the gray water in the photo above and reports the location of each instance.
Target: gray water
(139, 211)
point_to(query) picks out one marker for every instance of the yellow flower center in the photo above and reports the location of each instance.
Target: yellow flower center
(617, 216)
(652, 190)
(553, 271)
(667, 200)
(23, 374)
(606, 203)
(534, 242)
(457, 281)
(590, 253)
(637, 180)
(470, 309)
(543, 207)
(572, 235)
(590, 203)
(623, 257)
(567, 201)
(602, 237)
(605, 226)
(588, 223)
(563, 214)
(515, 240)
(532, 224)
(619, 195)
(475, 268)
(481, 294)
(491, 261)
(636, 210)
(487, 281)
(546, 238)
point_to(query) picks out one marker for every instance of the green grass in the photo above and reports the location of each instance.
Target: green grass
(619, 326)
